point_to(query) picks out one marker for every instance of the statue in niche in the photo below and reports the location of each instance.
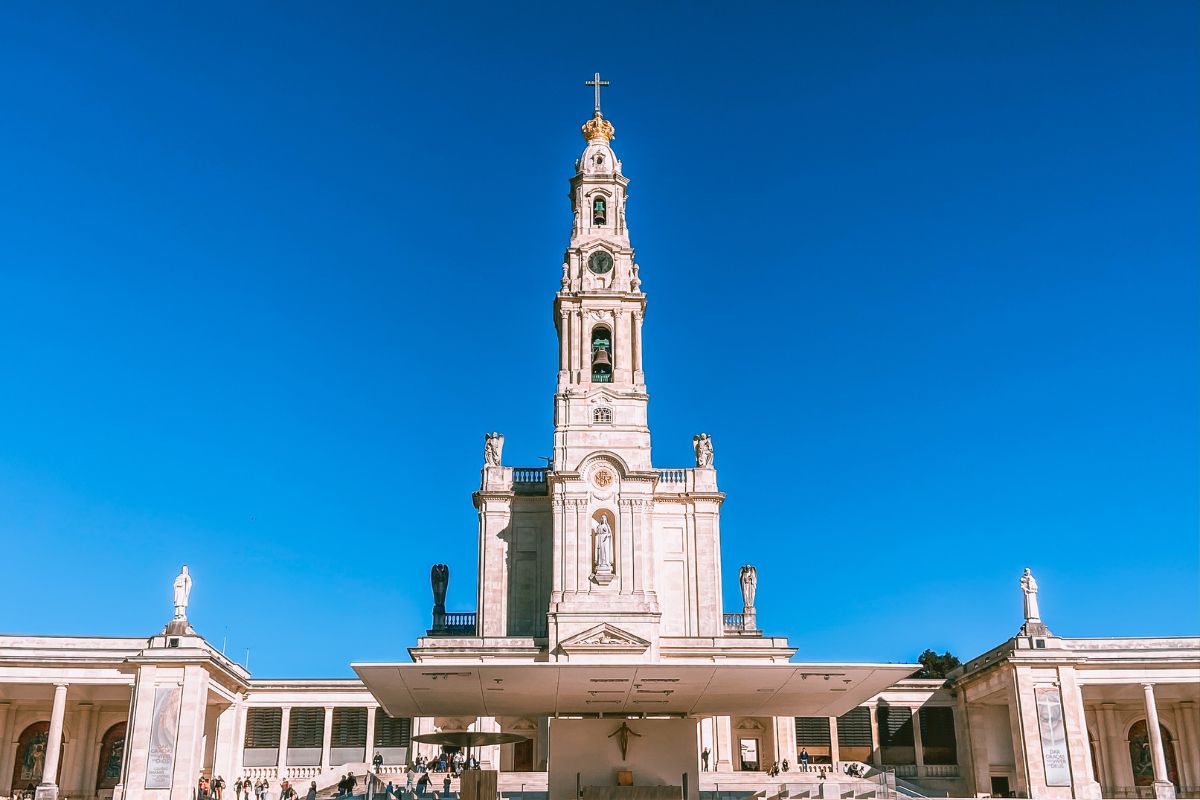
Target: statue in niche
(702, 442)
(604, 545)
(1030, 588)
(749, 580)
(493, 448)
(439, 579)
(182, 591)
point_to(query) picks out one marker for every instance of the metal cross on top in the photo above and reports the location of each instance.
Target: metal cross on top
(597, 83)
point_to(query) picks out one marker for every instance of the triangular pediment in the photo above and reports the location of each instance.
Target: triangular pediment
(604, 638)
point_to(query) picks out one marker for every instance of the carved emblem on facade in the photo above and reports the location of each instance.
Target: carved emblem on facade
(603, 478)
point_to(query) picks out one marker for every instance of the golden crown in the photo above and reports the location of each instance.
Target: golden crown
(598, 127)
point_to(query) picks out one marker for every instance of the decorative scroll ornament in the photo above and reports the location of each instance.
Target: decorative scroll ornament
(598, 128)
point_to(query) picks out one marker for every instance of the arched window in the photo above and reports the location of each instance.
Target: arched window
(601, 355)
(112, 756)
(1141, 759)
(602, 416)
(599, 211)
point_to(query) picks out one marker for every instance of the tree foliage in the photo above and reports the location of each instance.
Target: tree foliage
(934, 665)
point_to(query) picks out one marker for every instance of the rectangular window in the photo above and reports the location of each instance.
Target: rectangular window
(349, 727)
(262, 727)
(854, 728)
(392, 731)
(812, 732)
(306, 726)
(896, 735)
(938, 740)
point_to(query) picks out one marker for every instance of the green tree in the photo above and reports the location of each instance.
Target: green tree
(934, 665)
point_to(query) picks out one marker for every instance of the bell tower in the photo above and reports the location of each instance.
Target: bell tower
(601, 397)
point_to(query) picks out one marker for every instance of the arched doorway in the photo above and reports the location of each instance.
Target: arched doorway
(29, 761)
(1141, 758)
(112, 756)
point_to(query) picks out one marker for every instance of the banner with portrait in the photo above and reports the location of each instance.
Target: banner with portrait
(1054, 736)
(164, 730)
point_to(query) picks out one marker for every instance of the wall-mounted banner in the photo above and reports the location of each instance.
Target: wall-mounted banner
(1054, 736)
(164, 727)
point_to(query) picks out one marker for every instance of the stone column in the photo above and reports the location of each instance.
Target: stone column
(724, 752)
(876, 755)
(1116, 756)
(82, 746)
(638, 373)
(8, 716)
(1023, 722)
(1163, 788)
(285, 724)
(327, 738)
(981, 763)
(226, 742)
(48, 788)
(563, 337)
(918, 742)
(1189, 748)
(1079, 746)
(835, 750)
(369, 749)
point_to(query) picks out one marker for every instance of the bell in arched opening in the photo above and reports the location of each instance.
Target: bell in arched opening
(602, 364)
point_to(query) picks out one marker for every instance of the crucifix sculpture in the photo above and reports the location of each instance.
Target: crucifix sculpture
(623, 733)
(596, 82)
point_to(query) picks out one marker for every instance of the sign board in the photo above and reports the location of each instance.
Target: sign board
(164, 728)
(1054, 736)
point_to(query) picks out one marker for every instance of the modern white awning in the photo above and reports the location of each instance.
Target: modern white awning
(809, 690)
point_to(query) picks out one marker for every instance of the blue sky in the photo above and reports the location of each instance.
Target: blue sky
(926, 272)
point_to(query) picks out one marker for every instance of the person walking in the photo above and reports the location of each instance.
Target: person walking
(446, 785)
(312, 791)
(409, 777)
(704, 759)
(377, 762)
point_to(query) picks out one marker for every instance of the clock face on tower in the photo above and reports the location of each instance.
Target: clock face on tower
(600, 262)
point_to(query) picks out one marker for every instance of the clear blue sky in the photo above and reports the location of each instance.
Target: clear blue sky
(926, 272)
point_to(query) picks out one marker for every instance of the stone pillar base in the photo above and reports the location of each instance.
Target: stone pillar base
(1090, 791)
(1163, 790)
(49, 791)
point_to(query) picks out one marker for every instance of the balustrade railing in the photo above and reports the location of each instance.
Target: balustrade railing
(454, 623)
(734, 622)
(672, 476)
(529, 480)
(941, 770)
(529, 474)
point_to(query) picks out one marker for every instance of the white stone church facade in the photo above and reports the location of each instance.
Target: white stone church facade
(603, 562)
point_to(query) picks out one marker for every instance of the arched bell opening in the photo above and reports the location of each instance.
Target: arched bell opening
(602, 363)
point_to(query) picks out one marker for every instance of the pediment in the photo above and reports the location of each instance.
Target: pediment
(604, 638)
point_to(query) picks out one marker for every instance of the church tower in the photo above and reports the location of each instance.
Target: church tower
(601, 397)
(600, 556)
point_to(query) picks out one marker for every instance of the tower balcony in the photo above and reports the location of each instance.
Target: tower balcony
(453, 623)
(686, 480)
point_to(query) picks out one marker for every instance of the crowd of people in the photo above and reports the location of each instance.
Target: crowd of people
(417, 782)
(245, 789)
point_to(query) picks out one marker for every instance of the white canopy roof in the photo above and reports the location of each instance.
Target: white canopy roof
(547, 689)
